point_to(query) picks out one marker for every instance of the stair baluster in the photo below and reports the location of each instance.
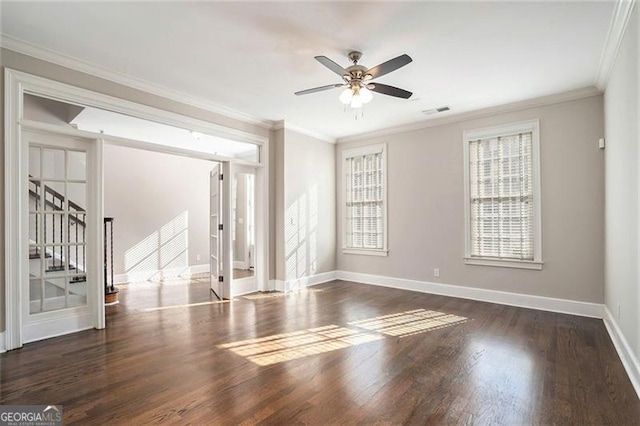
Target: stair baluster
(109, 289)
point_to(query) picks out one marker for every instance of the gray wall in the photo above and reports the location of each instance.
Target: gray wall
(274, 164)
(51, 71)
(305, 205)
(426, 206)
(622, 186)
(161, 222)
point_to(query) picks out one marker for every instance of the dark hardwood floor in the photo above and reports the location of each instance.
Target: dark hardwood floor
(339, 353)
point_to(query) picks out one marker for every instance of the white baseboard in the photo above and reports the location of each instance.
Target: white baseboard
(573, 307)
(625, 352)
(304, 282)
(244, 286)
(50, 327)
(3, 347)
(278, 285)
(240, 264)
(138, 276)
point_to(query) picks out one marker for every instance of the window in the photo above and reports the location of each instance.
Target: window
(502, 191)
(365, 210)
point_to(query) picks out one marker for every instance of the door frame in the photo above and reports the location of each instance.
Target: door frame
(17, 83)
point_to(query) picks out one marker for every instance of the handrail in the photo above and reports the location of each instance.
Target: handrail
(72, 216)
(56, 202)
(56, 194)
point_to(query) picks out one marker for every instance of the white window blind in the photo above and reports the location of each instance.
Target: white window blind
(364, 197)
(501, 200)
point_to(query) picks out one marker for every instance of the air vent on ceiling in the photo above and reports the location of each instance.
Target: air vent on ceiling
(436, 110)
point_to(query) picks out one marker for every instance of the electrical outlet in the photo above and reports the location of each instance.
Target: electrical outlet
(198, 257)
(436, 272)
(618, 311)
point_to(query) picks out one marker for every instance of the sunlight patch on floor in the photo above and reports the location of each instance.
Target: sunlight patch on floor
(170, 281)
(298, 344)
(410, 322)
(274, 294)
(188, 305)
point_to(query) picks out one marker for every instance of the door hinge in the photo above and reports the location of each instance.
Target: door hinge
(220, 227)
(220, 278)
(221, 176)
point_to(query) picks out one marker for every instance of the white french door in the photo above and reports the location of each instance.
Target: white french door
(215, 233)
(61, 288)
(220, 256)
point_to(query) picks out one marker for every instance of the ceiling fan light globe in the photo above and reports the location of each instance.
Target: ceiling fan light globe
(346, 96)
(365, 95)
(356, 101)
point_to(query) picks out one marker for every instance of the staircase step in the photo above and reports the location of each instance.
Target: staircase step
(37, 255)
(79, 279)
(58, 268)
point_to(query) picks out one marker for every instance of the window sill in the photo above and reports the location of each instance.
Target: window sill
(504, 263)
(367, 252)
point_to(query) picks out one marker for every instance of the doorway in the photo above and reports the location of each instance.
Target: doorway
(18, 85)
(243, 237)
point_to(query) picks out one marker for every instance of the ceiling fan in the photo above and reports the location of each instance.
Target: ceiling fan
(357, 80)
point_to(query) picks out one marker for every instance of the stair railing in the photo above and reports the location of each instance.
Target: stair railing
(77, 216)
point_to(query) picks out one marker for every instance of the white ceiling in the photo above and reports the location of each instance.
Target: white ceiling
(252, 57)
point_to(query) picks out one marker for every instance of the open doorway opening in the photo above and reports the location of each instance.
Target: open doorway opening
(243, 227)
(59, 104)
(157, 190)
(244, 230)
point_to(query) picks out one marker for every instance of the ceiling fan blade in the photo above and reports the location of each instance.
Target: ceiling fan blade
(390, 65)
(390, 91)
(332, 65)
(319, 89)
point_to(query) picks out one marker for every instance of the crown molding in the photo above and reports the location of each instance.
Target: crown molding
(557, 98)
(619, 21)
(283, 124)
(52, 56)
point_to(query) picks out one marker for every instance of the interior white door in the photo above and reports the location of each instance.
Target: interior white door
(215, 240)
(62, 288)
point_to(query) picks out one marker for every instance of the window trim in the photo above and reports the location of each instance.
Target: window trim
(532, 126)
(356, 152)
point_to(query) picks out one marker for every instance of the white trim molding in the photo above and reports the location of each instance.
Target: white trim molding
(240, 264)
(279, 285)
(450, 118)
(563, 306)
(367, 252)
(504, 263)
(20, 46)
(304, 282)
(61, 91)
(3, 347)
(625, 352)
(619, 21)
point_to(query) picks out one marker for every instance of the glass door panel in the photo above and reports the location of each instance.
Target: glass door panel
(57, 228)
